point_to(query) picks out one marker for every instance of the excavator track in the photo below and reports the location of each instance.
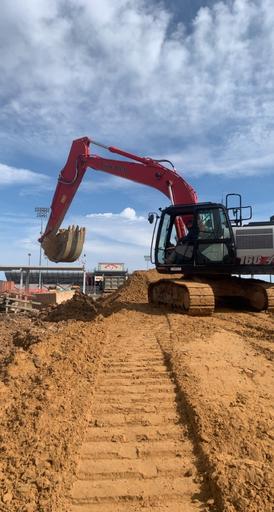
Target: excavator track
(262, 296)
(270, 298)
(258, 295)
(191, 297)
(199, 298)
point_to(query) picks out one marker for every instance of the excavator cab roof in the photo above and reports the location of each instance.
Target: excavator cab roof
(191, 208)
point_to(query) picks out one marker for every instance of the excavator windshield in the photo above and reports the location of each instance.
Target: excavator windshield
(208, 238)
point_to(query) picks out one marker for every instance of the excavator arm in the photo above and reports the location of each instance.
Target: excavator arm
(67, 244)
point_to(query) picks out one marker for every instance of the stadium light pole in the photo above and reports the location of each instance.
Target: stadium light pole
(41, 213)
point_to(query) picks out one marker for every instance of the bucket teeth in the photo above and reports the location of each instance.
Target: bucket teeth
(65, 245)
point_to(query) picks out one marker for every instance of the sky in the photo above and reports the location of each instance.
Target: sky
(191, 81)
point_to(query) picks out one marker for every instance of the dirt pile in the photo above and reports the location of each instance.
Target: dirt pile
(84, 308)
(79, 307)
(134, 290)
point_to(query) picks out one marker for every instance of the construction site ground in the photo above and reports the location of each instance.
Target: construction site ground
(121, 406)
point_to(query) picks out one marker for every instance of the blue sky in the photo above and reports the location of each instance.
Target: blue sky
(189, 80)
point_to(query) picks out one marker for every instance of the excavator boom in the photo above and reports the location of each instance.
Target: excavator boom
(66, 244)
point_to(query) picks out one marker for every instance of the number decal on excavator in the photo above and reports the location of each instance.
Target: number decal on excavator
(257, 260)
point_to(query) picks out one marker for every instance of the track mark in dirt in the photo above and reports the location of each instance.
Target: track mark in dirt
(137, 454)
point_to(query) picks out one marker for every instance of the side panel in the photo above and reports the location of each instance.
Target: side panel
(255, 244)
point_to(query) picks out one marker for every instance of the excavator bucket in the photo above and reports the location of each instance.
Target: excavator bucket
(65, 245)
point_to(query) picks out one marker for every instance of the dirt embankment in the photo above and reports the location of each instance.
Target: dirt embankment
(226, 387)
(222, 368)
(48, 371)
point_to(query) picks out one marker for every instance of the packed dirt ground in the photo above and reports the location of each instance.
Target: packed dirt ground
(121, 406)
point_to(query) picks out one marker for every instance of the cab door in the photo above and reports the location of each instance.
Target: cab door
(215, 242)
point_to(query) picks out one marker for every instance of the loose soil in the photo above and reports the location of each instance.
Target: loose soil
(116, 405)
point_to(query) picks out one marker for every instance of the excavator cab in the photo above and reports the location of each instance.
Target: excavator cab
(205, 242)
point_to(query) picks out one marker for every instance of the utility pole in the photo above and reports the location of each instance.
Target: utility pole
(84, 273)
(41, 213)
(147, 259)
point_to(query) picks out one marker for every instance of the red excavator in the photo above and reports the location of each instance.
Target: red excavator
(206, 242)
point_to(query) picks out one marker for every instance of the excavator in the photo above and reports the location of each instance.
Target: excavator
(207, 243)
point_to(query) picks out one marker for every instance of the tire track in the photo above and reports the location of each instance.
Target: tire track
(136, 454)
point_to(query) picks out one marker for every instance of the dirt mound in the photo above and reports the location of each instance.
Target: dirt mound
(134, 290)
(79, 307)
(83, 307)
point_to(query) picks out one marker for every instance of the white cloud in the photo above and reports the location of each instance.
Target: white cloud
(120, 72)
(130, 214)
(15, 177)
(127, 213)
